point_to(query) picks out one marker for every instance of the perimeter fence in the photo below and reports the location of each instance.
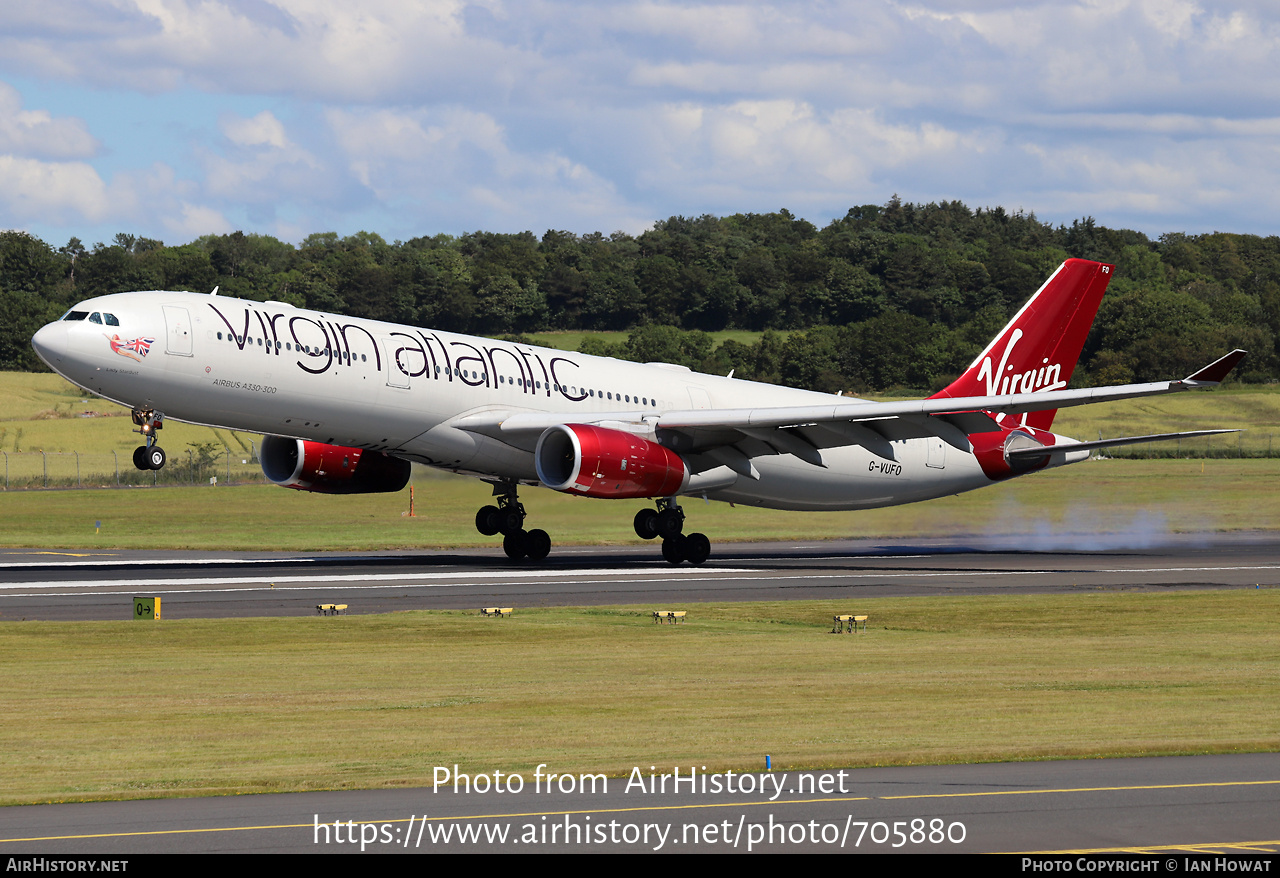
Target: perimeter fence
(208, 464)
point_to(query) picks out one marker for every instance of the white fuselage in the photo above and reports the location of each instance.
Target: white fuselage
(276, 369)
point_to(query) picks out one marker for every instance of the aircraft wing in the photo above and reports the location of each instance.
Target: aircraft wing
(733, 436)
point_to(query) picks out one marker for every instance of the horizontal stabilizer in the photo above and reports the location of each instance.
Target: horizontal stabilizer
(1218, 369)
(1108, 443)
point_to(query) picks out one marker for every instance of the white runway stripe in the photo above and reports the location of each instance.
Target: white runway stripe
(464, 578)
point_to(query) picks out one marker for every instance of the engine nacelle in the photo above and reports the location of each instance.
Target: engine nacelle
(599, 462)
(331, 469)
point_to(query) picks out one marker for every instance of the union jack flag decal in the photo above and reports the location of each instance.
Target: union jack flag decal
(134, 348)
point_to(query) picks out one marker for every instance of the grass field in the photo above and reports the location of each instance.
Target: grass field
(129, 710)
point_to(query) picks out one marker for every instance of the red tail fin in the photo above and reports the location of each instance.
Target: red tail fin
(1039, 347)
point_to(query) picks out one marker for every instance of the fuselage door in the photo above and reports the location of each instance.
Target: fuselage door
(936, 455)
(397, 365)
(178, 322)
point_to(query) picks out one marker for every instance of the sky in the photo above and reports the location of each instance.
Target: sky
(172, 119)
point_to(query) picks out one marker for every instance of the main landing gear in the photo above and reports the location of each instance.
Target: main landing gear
(667, 521)
(507, 518)
(151, 455)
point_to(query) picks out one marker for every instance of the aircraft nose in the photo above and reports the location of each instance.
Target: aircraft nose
(50, 343)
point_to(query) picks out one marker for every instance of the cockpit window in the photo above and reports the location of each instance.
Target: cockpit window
(76, 315)
(95, 317)
(110, 319)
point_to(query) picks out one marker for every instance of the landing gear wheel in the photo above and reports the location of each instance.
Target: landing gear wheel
(697, 548)
(155, 457)
(515, 545)
(487, 520)
(507, 518)
(510, 521)
(646, 524)
(673, 549)
(670, 523)
(537, 544)
(140, 457)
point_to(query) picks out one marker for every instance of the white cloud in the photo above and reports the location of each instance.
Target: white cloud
(157, 197)
(766, 147)
(260, 164)
(1173, 18)
(1192, 184)
(458, 166)
(73, 195)
(193, 220)
(328, 49)
(35, 133)
(263, 129)
(737, 30)
(59, 192)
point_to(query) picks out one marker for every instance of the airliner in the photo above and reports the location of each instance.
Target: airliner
(346, 405)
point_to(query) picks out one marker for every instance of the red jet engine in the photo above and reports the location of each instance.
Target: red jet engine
(600, 462)
(331, 469)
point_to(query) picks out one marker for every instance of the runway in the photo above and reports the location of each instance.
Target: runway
(98, 585)
(1172, 807)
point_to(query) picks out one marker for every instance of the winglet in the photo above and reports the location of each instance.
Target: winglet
(1217, 370)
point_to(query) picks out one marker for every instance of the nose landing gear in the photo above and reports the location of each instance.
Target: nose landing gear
(150, 455)
(507, 518)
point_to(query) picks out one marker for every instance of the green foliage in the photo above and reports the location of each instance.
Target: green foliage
(196, 464)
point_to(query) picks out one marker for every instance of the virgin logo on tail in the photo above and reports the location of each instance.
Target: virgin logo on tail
(1048, 376)
(1048, 332)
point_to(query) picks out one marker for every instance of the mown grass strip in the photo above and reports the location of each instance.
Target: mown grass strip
(196, 707)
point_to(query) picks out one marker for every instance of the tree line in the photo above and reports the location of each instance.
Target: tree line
(888, 296)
